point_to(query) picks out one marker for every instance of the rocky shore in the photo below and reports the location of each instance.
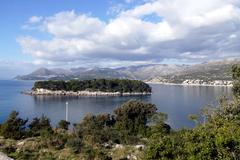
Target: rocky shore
(191, 84)
(45, 92)
(195, 82)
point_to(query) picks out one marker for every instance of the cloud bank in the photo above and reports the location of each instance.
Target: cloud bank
(151, 32)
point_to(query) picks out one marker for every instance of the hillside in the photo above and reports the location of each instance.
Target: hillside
(214, 70)
(146, 72)
(209, 71)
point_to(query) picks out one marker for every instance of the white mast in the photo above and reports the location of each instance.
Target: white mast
(66, 111)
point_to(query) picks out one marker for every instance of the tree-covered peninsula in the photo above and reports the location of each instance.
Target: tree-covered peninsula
(103, 85)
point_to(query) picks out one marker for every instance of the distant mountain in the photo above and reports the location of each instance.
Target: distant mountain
(42, 72)
(77, 73)
(208, 71)
(147, 72)
(214, 70)
(60, 71)
(39, 74)
(96, 73)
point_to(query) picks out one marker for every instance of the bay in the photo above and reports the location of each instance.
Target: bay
(177, 101)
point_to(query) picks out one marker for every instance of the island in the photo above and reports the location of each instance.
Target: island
(95, 87)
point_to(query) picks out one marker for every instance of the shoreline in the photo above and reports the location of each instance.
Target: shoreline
(181, 84)
(44, 92)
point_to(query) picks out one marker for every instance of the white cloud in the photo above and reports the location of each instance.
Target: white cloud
(188, 55)
(115, 9)
(35, 19)
(65, 24)
(33, 23)
(199, 30)
(233, 36)
(223, 14)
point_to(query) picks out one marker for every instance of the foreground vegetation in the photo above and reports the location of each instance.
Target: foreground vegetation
(95, 137)
(116, 136)
(104, 85)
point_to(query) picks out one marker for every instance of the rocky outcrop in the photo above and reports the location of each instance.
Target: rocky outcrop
(211, 83)
(4, 157)
(45, 92)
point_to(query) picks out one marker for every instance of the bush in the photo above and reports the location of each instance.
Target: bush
(158, 125)
(132, 116)
(236, 78)
(75, 144)
(92, 153)
(40, 126)
(57, 140)
(63, 124)
(95, 129)
(26, 155)
(14, 127)
(218, 138)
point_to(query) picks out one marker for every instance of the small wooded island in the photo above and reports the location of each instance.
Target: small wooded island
(95, 87)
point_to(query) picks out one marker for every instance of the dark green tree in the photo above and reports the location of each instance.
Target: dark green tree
(133, 116)
(14, 127)
(158, 124)
(97, 129)
(105, 85)
(236, 78)
(40, 126)
(63, 124)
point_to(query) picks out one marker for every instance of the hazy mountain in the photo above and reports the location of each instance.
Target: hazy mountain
(74, 73)
(79, 70)
(60, 71)
(148, 72)
(99, 73)
(214, 70)
(41, 73)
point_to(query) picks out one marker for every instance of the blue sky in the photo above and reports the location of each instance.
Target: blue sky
(73, 33)
(15, 13)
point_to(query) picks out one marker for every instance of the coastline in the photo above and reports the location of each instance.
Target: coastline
(183, 84)
(44, 92)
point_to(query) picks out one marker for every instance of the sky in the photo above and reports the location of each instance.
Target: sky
(107, 33)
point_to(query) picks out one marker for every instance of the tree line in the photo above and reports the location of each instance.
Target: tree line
(105, 85)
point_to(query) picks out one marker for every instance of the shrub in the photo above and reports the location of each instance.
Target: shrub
(40, 126)
(63, 124)
(132, 116)
(75, 144)
(14, 127)
(95, 129)
(236, 78)
(57, 140)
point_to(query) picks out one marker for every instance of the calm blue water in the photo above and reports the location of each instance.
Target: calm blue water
(177, 101)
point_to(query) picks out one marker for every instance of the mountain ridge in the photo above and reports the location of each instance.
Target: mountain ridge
(213, 70)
